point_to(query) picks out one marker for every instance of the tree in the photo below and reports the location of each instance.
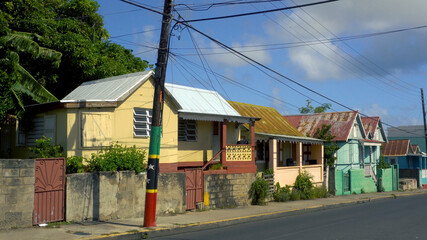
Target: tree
(310, 109)
(72, 28)
(16, 83)
(330, 148)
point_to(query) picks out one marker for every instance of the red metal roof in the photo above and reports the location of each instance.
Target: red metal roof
(271, 122)
(341, 123)
(396, 148)
(370, 124)
(415, 149)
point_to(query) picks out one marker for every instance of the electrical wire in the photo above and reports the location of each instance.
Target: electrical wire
(256, 13)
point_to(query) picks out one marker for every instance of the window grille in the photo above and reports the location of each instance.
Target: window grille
(142, 122)
(187, 130)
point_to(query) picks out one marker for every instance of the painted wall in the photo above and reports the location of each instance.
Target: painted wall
(387, 178)
(200, 150)
(358, 181)
(339, 187)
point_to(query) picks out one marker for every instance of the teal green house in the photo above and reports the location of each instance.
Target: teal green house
(359, 141)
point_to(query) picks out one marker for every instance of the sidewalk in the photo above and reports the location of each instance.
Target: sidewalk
(132, 228)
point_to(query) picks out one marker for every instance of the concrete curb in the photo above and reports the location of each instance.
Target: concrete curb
(159, 232)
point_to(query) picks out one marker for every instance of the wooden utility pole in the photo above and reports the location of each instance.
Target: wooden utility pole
(424, 116)
(156, 122)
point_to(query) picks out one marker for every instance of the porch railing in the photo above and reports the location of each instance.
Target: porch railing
(239, 152)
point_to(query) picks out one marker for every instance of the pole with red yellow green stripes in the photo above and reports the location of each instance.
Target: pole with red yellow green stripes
(156, 124)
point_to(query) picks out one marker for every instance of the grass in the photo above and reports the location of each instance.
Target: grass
(58, 224)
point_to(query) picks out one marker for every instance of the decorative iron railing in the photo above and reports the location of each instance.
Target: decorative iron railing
(239, 152)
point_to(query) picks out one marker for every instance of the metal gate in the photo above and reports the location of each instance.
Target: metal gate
(49, 190)
(193, 187)
(346, 182)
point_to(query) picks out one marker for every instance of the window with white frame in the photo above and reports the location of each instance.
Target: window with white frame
(142, 122)
(187, 130)
(356, 130)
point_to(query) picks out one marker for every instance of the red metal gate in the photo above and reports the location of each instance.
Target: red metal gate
(193, 187)
(49, 190)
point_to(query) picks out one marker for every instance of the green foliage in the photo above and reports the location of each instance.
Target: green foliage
(259, 191)
(282, 194)
(75, 164)
(118, 158)
(34, 34)
(303, 190)
(330, 148)
(303, 182)
(216, 166)
(45, 149)
(310, 109)
(382, 164)
(268, 171)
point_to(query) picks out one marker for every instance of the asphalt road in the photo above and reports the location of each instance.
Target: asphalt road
(400, 218)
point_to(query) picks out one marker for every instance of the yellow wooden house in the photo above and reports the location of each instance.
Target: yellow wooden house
(198, 125)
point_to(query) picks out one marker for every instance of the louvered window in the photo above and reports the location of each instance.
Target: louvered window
(187, 130)
(141, 122)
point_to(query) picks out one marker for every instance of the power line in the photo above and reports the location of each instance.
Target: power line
(234, 82)
(135, 33)
(255, 13)
(357, 60)
(277, 73)
(248, 59)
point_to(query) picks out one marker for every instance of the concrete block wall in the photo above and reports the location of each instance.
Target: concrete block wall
(228, 190)
(115, 195)
(387, 179)
(16, 193)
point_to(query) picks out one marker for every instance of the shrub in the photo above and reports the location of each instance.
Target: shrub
(259, 191)
(303, 182)
(320, 192)
(282, 194)
(117, 158)
(45, 149)
(268, 171)
(75, 164)
(216, 166)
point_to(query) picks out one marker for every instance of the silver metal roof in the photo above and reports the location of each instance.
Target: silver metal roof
(108, 89)
(216, 118)
(201, 101)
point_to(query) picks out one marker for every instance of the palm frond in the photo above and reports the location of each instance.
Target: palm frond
(18, 98)
(29, 86)
(22, 43)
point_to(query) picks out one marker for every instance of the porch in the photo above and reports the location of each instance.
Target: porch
(291, 155)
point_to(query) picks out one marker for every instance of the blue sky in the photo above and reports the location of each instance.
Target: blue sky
(379, 75)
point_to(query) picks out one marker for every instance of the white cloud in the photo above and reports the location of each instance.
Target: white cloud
(397, 52)
(221, 56)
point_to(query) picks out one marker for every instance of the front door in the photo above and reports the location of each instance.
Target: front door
(215, 139)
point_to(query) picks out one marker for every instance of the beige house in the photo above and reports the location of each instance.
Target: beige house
(282, 147)
(197, 124)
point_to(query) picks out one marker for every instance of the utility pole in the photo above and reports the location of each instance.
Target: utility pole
(156, 122)
(424, 116)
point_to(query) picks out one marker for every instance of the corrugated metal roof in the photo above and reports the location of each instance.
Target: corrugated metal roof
(271, 120)
(306, 140)
(341, 123)
(370, 124)
(396, 148)
(406, 131)
(196, 100)
(113, 89)
(216, 118)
